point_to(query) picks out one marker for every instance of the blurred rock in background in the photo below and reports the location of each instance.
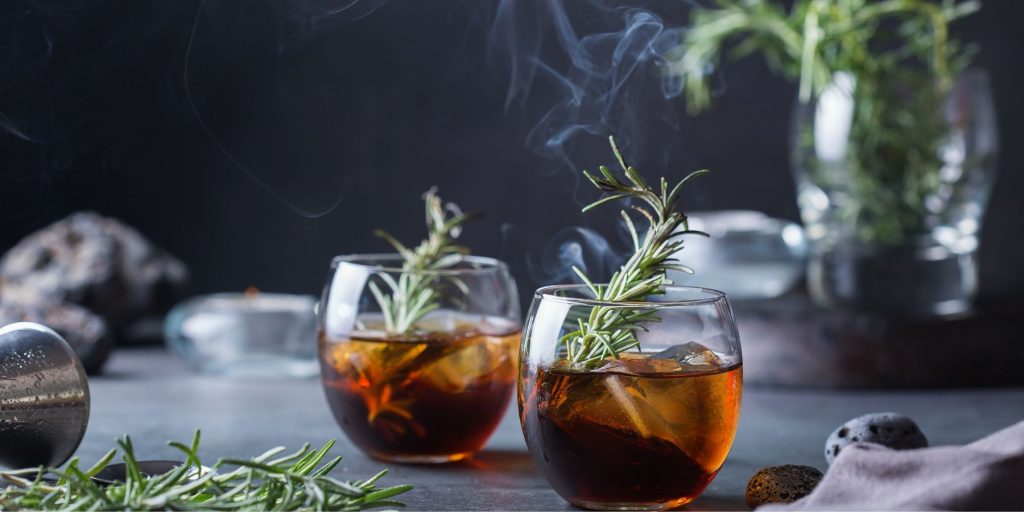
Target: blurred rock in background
(120, 279)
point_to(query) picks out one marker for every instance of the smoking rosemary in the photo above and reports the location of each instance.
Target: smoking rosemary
(901, 62)
(267, 482)
(608, 331)
(415, 293)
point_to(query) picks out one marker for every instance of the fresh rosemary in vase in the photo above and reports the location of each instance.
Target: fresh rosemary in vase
(415, 293)
(898, 63)
(609, 331)
(270, 481)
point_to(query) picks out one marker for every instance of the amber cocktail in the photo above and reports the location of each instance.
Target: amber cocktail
(429, 399)
(640, 429)
(646, 431)
(434, 394)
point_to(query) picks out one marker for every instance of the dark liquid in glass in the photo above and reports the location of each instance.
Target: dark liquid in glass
(433, 398)
(630, 436)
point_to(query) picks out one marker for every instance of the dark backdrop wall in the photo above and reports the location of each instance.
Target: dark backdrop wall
(255, 140)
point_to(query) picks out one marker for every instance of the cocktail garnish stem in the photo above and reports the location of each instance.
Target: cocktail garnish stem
(415, 293)
(609, 330)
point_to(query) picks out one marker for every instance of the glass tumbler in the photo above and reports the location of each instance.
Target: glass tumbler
(893, 180)
(648, 430)
(435, 391)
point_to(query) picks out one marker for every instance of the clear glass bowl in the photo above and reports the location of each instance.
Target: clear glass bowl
(436, 392)
(245, 334)
(646, 431)
(747, 254)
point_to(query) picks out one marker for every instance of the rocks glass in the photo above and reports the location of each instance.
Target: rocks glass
(436, 392)
(646, 431)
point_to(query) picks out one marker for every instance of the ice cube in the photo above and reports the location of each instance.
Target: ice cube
(639, 364)
(440, 320)
(469, 362)
(691, 354)
(625, 395)
(618, 398)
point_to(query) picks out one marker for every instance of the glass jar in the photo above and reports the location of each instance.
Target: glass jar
(648, 430)
(435, 391)
(893, 178)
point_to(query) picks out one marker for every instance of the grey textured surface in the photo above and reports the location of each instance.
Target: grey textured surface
(148, 394)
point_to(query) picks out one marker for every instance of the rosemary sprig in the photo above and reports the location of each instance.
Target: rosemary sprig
(608, 331)
(267, 482)
(414, 294)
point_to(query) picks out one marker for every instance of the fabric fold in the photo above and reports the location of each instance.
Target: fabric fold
(987, 474)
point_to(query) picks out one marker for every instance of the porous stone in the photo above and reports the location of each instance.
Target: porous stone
(96, 262)
(781, 484)
(69, 261)
(86, 332)
(890, 429)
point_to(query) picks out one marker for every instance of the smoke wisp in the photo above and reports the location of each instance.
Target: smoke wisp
(587, 70)
(601, 63)
(575, 246)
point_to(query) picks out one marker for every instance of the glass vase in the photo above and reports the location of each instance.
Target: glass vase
(436, 391)
(648, 430)
(893, 178)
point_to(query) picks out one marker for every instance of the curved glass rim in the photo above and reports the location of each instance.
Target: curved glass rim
(550, 293)
(482, 264)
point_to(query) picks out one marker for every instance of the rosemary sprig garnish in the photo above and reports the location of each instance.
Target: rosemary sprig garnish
(415, 294)
(267, 482)
(608, 331)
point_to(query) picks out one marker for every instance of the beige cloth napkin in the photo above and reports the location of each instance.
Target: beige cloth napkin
(987, 474)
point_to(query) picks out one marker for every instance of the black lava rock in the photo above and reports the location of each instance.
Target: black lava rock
(95, 262)
(889, 429)
(85, 332)
(781, 484)
(69, 261)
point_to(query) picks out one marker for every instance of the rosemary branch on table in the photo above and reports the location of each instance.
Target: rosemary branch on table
(608, 331)
(414, 293)
(267, 482)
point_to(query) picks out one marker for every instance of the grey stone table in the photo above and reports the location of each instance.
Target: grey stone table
(149, 395)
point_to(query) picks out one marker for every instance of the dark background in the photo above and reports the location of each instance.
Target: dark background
(228, 137)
